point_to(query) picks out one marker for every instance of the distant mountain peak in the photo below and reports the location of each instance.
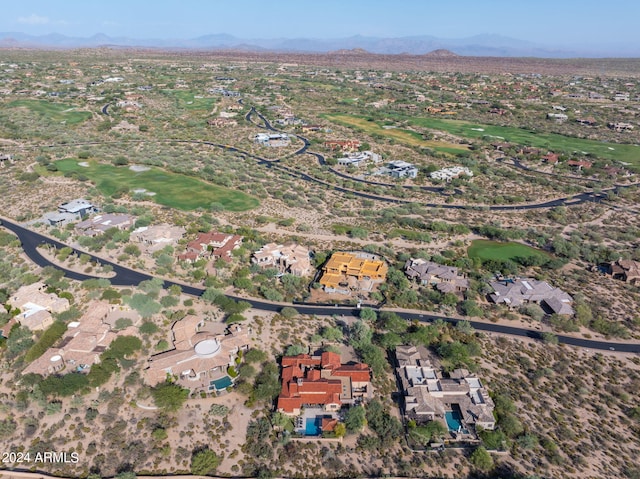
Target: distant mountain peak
(441, 53)
(350, 51)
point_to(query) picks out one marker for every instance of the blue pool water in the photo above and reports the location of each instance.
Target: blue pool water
(454, 420)
(313, 426)
(221, 384)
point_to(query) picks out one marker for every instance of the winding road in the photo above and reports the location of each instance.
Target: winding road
(127, 277)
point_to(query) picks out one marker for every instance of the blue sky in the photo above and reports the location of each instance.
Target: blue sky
(552, 22)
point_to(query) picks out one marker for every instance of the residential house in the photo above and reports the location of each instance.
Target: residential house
(357, 271)
(589, 121)
(272, 139)
(322, 381)
(100, 223)
(580, 164)
(430, 397)
(344, 145)
(78, 207)
(290, 258)
(83, 342)
(447, 174)
(559, 117)
(400, 169)
(551, 158)
(311, 128)
(211, 245)
(446, 279)
(359, 158)
(222, 122)
(626, 270)
(154, 238)
(36, 306)
(620, 126)
(200, 355)
(516, 292)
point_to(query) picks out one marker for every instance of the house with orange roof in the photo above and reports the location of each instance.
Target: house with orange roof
(322, 381)
(352, 271)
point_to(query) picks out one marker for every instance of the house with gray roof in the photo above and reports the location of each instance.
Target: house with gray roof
(78, 207)
(516, 292)
(100, 223)
(446, 279)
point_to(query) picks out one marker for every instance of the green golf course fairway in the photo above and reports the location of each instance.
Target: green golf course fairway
(171, 189)
(550, 141)
(496, 250)
(55, 112)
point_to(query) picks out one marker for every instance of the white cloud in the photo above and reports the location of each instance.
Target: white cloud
(34, 19)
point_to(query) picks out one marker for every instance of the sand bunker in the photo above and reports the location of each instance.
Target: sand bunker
(139, 168)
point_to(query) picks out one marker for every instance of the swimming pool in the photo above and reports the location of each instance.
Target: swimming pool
(313, 426)
(221, 384)
(454, 420)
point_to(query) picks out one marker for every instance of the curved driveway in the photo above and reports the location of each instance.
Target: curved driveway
(128, 277)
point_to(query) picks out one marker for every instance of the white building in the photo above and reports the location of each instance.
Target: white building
(402, 169)
(447, 174)
(273, 140)
(358, 159)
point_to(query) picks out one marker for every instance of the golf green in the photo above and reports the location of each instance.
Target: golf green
(495, 250)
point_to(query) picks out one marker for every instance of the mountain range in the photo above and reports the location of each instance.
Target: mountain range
(479, 45)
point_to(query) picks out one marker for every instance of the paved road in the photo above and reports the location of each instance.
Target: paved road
(105, 109)
(128, 277)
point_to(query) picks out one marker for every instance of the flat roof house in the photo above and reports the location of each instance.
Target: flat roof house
(364, 268)
(83, 342)
(344, 145)
(428, 396)
(156, 237)
(290, 258)
(37, 306)
(78, 207)
(98, 224)
(402, 169)
(199, 356)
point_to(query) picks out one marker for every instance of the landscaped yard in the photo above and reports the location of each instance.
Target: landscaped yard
(496, 250)
(171, 189)
(549, 141)
(54, 112)
(411, 138)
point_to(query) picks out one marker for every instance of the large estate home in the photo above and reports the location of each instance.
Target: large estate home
(98, 224)
(154, 238)
(459, 401)
(211, 245)
(84, 340)
(36, 306)
(200, 356)
(346, 271)
(446, 279)
(344, 145)
(290, 258)
(78, 207)
(322, 381)
(516, 292)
